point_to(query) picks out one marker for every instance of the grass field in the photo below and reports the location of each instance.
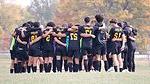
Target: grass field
(141, 76)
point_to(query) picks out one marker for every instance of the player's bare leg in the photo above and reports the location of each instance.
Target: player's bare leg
(85, 59)
(65, 63)
(41, 64)
(30, 62)
(70, 64)
(76, 65)
(105, 62)
(116, 64)
(120, 60)
(58, 63)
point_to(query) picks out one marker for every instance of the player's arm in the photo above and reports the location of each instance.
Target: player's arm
(87, 35)
(23, 33)
(36, 40)
(123, 41)
(59, 42)
(60, 35)
(70, 29)
(22, 42)
(132, 38)
(46, 34)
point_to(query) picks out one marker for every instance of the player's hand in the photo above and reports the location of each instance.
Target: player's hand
(30, 43)
(122, 48)
(53, 33)
(93, 36)
(24, 43)
(65, 45)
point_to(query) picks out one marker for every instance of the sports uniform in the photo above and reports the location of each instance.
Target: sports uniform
(34, 49)
(48, 45)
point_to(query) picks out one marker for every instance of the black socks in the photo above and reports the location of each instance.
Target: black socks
(41, 68)
(116, 68)
(70, 66)
(65, 65)
(86, 65)
(106, 65)
(58, 65)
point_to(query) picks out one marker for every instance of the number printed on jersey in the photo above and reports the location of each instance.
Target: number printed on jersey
(88, 31)
(117, 36)
(33, 37)
(48, 38)
(73, 36)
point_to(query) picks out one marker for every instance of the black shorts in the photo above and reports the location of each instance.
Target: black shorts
(86, 50)
(35, 52)
(12, 54)
(116, 48)
(100, 49)
(109, 48)
(61, 51)
(74, 53)
(48, 53)
(22, 55)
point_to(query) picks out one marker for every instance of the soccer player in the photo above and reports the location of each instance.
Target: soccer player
(35, 37)
(21, 49)
(118, 44)
(48, 46)
(124, 53)
(87, 34)
(99, 46)
(60, 52)
(73, 48)
(132, 47)
(13, 51)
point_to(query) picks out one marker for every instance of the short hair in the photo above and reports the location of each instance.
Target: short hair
(113, 21)
(119, 24)
(36, 24)
(50, 24)
(87, 19)
(30, 23)
(99, 18)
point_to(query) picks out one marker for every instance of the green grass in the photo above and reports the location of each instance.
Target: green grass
(141, 76)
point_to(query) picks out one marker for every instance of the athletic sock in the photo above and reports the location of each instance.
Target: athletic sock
(46, 67)
(106, 65)
(29, 69)
(41, 68)
(133, 69)
(65, 65)
(110, 62)
(54, 64)
(19, 67)
(94, 65)
(76, 68)
(86, 65)
(90, 64)
(16, 68)
(49, 67)
(99, 66)
(11, 70)
(116, 68)
(80, 64)
(70, 66)
(58, 65)
(120, 69)
(23, 69)
(34, 68)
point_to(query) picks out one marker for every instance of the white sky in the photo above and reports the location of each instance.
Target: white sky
(22, 3)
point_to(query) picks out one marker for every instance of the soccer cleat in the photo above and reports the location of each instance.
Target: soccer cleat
(125, 70)
(111, 69)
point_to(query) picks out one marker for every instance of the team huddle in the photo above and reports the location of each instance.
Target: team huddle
(73, 47)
